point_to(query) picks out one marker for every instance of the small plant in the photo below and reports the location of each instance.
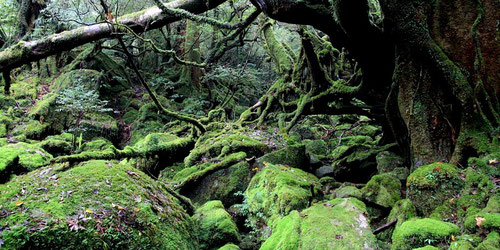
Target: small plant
(79, 101)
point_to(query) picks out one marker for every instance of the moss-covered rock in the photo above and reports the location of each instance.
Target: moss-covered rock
(98, 125)
(319, 148)
(91, 79)
(402, 211)
(56, 146)
(229, 246)
(388, 161)
(428, 247)
(293, 156)
(336, 224)
(21, 157)
(45, 112)
(383, 190)
(420, 232)
(96, 204)
(491, 242)
(276, 190)
(430, 185)
(461, 245)
(223, 184)
(488, 219)
(348, 191)
(216, 226)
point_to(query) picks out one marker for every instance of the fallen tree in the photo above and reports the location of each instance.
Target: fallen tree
(148, 19)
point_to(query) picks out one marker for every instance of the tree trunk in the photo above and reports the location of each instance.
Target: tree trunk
(152, 18)
(29, 10)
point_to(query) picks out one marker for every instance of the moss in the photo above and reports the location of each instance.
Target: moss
(461, 245)
(276, 190)
(402, 211)
(216, 226)
(99, 125)
(388, 161)
(316, 147)
(430, 185)
(427, 248)
(35, 130)
(89, 78)
(45, 112)
(97, 145)
(3, 130)
(336, 224)
(488, 222)
(213, 145)
(130, 116)
(491, 242)
(56, 147)
(420, 232)
(348, 191)
(383, 190)
(97, 204)
(229, 246)
(223, 185)
(29, 157)
(293, 156)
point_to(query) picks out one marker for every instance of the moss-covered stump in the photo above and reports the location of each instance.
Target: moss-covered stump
(383, 190)
(336, 224)
(223, 184)
(430, 185)
(216, 226)
(96, 204)
(293, 156)
(402, 211)
(421, 232)
(278, 189)
(21, 157)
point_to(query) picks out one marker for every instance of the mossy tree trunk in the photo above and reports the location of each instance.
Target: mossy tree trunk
(29, 10)
(433, 67)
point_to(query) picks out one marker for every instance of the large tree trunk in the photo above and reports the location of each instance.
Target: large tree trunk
(28, 13)
(152, 18)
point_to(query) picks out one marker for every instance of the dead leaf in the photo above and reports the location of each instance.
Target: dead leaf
(479, 221)
(19, 203)
(89, 211)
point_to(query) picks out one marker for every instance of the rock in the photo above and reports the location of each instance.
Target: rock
(293, 156)
(216, 226)
(21, 157)
(430, 185)
(324, 171)
(318, 148)
(97, 204)
(461, 245)
(57, 145)
(486, 220)
(419, 232)
(336, 224)
(276, 190)
(383, 190)
(491, 242)
(388, 161)
(348, 191)
(403, 210)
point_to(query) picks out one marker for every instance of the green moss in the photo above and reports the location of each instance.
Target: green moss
(316, 147)
(420, 232)
(427, 248)
(489, 222)
(97, 145)
(348, 191)
(336, 224)
(388, 161)
(276, 190)
(56, 147)
(97, 204)
(29, 157)
(402, 211)
(430, 185)
(293, 156)
(216, 226)
(45, 112)
(100, 125)
(491, 242)
(229, 246)
(89, 78)
(130, 116)
(383, 190)
(461, 245)
(3, 130)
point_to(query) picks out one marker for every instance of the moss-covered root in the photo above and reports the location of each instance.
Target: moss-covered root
(336, 224)
(95, 205)
(216, 225)
(421, 232)
(170, 148)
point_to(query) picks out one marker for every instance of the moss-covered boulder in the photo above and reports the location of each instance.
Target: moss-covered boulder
(97, 125)
(21, 157)
(461, 245)
(318, 148)
(348, 191)
(216, 226)
(491, 242)
(45, 112)
(401, 211)
(383, 190)
(388, 161)
(229, 246)
(57, 145)
(421, 232)
(336, 224)
(430, 185)
(488, 219)
(293, 156)
(96, 204)
(276, 190)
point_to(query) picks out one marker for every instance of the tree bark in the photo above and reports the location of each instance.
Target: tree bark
(148, 19)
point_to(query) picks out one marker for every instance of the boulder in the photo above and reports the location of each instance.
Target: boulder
(216, 226)
(383, 190)
(416, 233)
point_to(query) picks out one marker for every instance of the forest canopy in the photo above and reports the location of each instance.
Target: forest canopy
(249, 124)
